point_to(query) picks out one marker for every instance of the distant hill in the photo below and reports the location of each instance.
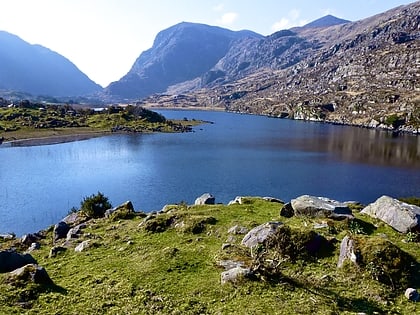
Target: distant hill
(38, 70)
(180, 53)
(325, 21)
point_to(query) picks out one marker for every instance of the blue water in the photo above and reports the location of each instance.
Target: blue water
(237, 155)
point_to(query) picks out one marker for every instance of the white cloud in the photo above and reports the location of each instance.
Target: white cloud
(291, 20)
(228, 18)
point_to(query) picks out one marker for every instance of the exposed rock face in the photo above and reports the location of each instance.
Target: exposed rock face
(11, 260)
(31, 273)
(205, 199)
(126, 207)
(60, 230)
(400, 215)
(75, 232)
(320, 207)
(260, 233)
(347, 251)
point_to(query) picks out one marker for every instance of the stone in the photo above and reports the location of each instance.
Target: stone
(82, 246)
(34, 246)
(126, 206)
(60, 230)
(11, 260)
(31, 273)
(237, 200)
(260, 233)
(54, 251)
(312, 206)
(412, 295)
(235, 274)
(75, 232)
(287, 210)
(7, 236)
(401, 216)
(272, 199)
(74, 218)
(205, 199)
(347, 251)
(230, 264)
(237, 229)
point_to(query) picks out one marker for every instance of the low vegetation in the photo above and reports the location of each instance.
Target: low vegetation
(169, 263)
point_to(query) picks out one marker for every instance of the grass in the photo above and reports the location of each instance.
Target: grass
(130, 270)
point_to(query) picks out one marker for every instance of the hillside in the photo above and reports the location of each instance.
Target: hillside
(179, 53)
(362, 73)
(38, 70)
(183, 260)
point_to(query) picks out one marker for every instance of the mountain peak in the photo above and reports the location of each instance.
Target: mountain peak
(325, 21)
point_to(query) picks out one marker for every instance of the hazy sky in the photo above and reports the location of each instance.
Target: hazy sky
(103, 38)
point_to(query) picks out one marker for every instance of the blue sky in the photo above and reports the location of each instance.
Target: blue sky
(104, 37)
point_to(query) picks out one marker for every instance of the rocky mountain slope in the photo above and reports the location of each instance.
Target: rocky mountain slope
(362, 73)
(179, 53)
(37, 70)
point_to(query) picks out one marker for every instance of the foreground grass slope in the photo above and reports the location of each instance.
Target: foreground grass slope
(164, 268)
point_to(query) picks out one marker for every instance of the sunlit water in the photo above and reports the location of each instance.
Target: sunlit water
(237, 155)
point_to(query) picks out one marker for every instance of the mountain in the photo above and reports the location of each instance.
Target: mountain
(37, 70)
(361, 73)
(325, 21)
(180, 53)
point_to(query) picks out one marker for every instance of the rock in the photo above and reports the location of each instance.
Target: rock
(260, 233)
(30, 238)
(11, 260)
(272, 199)
(82, 246)
(75, 232)
(401, 216)
(412, 295)
(237, 229)
(31, 273)
(60, 230)
(226, 245)
(205, 199)
(287, 210)
(33, 247)
(54, 251)
(126, 207)
(347, 251)
(230, 264)
(74, 218)
(237, 200)
(320, 207)
(235, 274)
(7, 236)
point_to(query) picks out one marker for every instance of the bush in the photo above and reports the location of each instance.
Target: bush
(95, 206)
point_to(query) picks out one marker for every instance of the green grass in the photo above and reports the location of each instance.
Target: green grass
(132, 271)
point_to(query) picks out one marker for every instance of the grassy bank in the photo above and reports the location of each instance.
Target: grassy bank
(170, 265)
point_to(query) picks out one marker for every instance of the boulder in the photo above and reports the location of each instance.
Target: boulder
(347, 251)
(7, 236)
(235, 274)
(75, 232)
(260, 233)
(82, 246)
(31, 273)
(272, 199)
(60, 230)
(237, 200)
(34, 246)
(205, 199)
(74, 218)
(126, 207)
(401, 216)
(54, 251)
(30, 238)
(11, 260)
(412, 295)
(312, 206)
(287, 210)
(237, 229)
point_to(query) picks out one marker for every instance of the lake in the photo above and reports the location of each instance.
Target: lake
(237, 155)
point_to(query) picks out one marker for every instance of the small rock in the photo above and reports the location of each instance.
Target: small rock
(347, 251)
(75, 232)
(272, 199)
(230, 264)
(322, 225)
(237, 229)
(226, 245)
(235, 274)
(237, 200)
(34, 246)
(31, 273)
(260, 233)
(412, 295)
(82, 246)
(54, 251)
(8, 236)
(311, 206)
(205, 199)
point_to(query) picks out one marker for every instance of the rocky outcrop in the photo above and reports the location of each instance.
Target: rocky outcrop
(320, 207)
(125, 209)
(205, 199)
(11, 260)
(260, 233)
(402, 216)
(83, 246)
(60, 230)
(30, 273)
(347, 252)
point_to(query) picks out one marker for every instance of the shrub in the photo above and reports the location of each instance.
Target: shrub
(95, 206)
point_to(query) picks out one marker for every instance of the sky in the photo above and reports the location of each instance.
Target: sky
(103, 38)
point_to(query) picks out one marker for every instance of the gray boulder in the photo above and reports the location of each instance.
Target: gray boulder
(401, 216)
(312, 206)
(126, 206)
(82, 246)
(260, 233)
(412, 295)
(205, 199)
(60, 230)
(287, 210)
(347, 251)
(30, 238)
(235, 274)
(11, 260)
(237, 229)
(30, 273)
(75, 232)
(54, 251)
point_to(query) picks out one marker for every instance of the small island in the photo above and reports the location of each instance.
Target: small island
(32, 123)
